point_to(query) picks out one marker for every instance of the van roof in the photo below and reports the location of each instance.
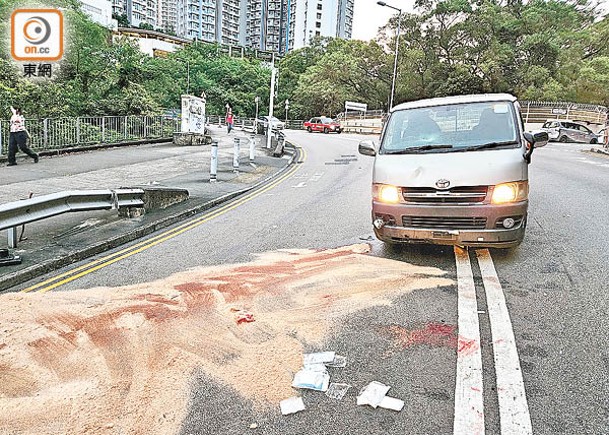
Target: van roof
(457, 99)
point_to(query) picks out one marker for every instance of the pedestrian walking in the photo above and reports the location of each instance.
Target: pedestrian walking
(229, 121)
(18, 138)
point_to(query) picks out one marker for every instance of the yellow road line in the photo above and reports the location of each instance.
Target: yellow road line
(83, 270)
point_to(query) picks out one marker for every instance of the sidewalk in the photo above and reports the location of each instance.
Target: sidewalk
(55, 242)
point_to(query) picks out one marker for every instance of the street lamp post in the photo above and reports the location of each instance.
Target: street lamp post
(397, 46)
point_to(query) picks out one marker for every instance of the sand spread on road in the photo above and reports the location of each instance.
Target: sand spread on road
(120, 360)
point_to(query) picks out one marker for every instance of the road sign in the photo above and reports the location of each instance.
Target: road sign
(360, 107)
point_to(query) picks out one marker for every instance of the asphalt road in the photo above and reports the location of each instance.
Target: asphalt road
(554, 286)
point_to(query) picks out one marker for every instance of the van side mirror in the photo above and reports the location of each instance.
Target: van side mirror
(537, 138)
(367, 148)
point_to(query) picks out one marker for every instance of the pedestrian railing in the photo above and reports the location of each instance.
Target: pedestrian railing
(61, 133)
(369, 114)
(248, 123)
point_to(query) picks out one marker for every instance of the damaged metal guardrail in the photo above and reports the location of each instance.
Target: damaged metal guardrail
(17, 213)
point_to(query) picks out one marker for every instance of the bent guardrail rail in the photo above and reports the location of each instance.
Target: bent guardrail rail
(17, 213)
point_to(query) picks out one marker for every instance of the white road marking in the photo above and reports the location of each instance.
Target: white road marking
(316, 177)
(301, 184)
(513, 408)
(469, 399)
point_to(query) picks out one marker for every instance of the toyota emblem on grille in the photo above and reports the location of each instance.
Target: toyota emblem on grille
(442, 183)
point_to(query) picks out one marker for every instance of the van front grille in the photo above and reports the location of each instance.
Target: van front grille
(444, 223)
(429, 195)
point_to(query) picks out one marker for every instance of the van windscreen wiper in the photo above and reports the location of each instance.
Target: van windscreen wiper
(490, 145)
(420, 148)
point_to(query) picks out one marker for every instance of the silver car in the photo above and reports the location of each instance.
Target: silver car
(263, 121)
(569, 131)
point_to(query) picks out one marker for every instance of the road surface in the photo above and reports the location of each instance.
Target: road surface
(476, 342)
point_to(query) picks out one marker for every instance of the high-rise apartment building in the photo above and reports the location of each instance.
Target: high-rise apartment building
(99, 11)
(322, 18)
(167, 16)
(271, 25)
(137, 11)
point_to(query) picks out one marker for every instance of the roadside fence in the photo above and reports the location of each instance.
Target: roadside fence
(248, 123)
(538, 112)
(61, 133)
(369, 114)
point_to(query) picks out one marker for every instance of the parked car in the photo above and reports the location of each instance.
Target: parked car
(324, 124)
(569, 131)
(263, 121)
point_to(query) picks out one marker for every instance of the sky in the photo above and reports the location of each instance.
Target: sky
(368, 16)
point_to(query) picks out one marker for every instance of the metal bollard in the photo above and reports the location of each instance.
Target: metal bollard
(236, 148)
(12, 237)
(213, 170)
(252, 148)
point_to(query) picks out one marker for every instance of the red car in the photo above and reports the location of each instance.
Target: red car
(323, 124)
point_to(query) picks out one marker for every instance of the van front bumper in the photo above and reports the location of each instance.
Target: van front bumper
(491, 235)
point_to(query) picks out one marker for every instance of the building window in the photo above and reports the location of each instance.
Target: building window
(319, 16)
(318, 33)
(318, 25)
(319, 6)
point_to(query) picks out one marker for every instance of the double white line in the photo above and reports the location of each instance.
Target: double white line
(469, 395)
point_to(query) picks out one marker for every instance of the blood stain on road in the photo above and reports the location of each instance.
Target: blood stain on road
(433, 334)
(87, 360)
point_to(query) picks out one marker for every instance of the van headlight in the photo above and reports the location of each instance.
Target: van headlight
(386, 193)
(510, 192)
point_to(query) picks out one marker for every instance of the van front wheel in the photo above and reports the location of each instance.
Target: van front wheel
(563, 139)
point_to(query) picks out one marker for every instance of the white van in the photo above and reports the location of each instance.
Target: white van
(453, 171)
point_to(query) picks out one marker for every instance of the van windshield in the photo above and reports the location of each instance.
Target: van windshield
(457, 127)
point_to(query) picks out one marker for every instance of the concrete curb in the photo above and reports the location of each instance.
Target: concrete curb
(24, 275)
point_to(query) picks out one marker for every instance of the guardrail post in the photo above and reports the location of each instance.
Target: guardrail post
(236, 148)
(1, 138)
(162, 128)
(12, 237)
(103, 129)
(252, 148)
(213, 170)
(125, 127)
